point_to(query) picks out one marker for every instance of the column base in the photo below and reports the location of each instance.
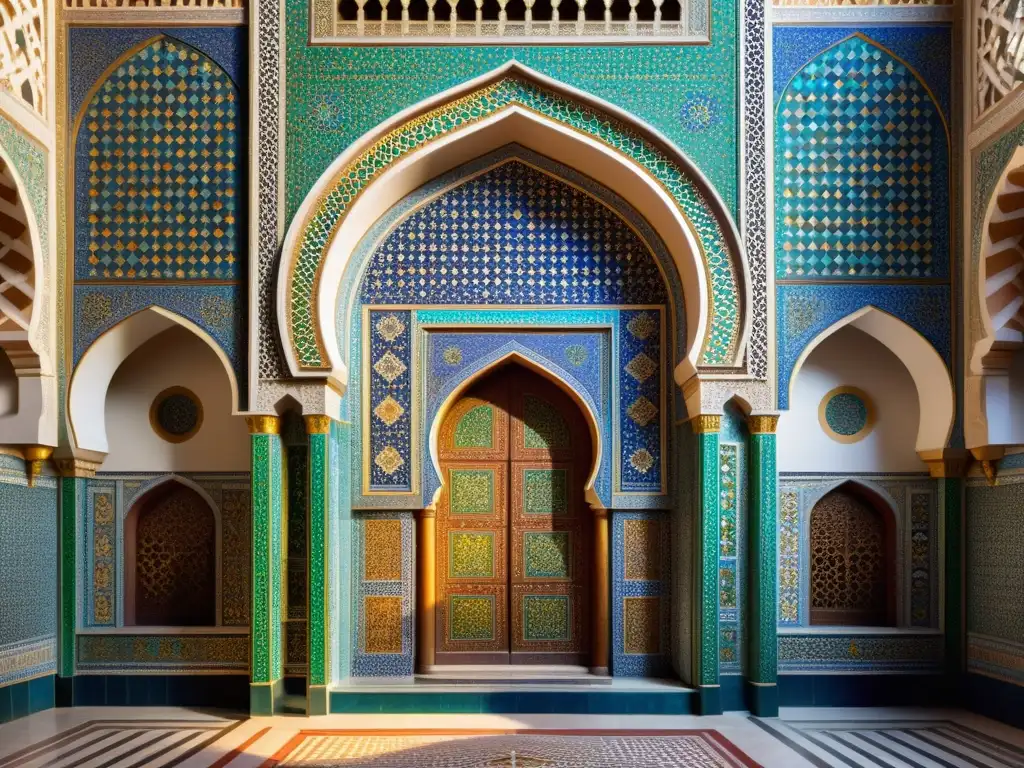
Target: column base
(599, 671)
(266, 699)
(762, 698)
(709, 700)
(318, 701)
(63, 691)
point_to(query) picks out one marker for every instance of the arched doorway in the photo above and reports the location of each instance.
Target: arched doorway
(513, 529)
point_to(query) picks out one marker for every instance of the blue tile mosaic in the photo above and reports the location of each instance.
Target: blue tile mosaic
(641, 406)
(733, 474)
(145, 210)
(390, 375)
(862, 170)
(807, 310)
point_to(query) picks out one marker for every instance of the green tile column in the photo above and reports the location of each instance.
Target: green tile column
(319, 430)
(762, 691)
(706, 428)
(266, 675)
(72, 491)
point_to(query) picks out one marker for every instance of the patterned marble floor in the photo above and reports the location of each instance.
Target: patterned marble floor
(801, 738)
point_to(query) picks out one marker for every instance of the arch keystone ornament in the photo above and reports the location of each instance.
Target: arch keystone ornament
(513, 104)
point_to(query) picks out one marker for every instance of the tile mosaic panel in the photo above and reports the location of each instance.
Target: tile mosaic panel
(383, 616)
(471, 617)
(544, 425)
(640, 400)
(995, 658)
(642, 625)
(395, 659)
(472, 491)
(920, 560)
(475, 429)
(789, 558)
(390, 398)
(185, 223)
(547, 555)
(172, 653)
(103, 541)
(890, 217)
(545, 491)
(236, 563)
(476, 244)
(642, 580)
(860, 652)
(547, 618)
(383, 560)
(28, 572)
(728, 553)
(470, 554)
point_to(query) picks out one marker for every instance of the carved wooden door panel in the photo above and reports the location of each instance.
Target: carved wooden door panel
(512, 536)
(472, 530)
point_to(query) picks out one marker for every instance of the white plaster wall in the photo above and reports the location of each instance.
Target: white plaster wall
(174, 358)
(8, 386)
(851, 358)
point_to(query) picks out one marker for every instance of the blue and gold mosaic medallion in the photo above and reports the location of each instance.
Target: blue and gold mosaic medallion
(846, 414)
(547, 618)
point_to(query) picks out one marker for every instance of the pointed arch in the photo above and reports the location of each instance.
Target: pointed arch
(163, 486)
(87, 393)
(513, 104)
(538, 367)
(925, 365)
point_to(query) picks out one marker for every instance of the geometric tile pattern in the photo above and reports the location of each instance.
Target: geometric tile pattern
(728, 553)
(861, 162)
(641, 587)
(475, 428)
(846, 414)
(920, 560)
(472, 491)
(789, 558)
(383, 617)
(306, 261)
(390, 387)
(547, 555)
(532, 749)
(994, 559)
(104, 575)
(640, 465)
(383, 561)
(999, 48)
(162, 136)
(547, 617)
(544, 426)
(513, 235)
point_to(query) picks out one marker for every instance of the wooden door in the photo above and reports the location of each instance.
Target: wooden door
(511, 525)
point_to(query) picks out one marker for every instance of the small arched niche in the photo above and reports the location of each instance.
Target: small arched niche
(853, 559)
(172, 554)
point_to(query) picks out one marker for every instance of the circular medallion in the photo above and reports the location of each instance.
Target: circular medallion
(846, 414)
(176, 414)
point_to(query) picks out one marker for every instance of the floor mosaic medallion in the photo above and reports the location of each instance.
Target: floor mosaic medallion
(504, 749)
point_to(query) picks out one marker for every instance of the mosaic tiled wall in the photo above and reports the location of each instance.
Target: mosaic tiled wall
(685, 92)
(733, 447)
(108, 501)
(296, 447)
(994, 560)
(383, 563)
(28, 571)
(641, 593)
(152, 214)
(866, 112)
(341, 545)
(913, 501)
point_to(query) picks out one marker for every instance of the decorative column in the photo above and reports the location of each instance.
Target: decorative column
(706, 428)
(319, 616)
(73, 473)
(426, 589)
(601, 590)
(762, 692)
(948, 467)
(266, 667)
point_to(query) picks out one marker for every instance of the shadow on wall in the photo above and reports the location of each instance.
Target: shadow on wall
(854, 408)
(169, 409)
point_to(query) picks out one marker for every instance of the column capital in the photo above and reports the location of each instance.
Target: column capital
(763, 423)
(426, 513)
(72, 467)
(35, 457)
(706, 422)
(263, 425)
(317, 424)
(946, 462)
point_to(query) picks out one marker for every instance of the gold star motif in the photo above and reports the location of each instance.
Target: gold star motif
(389, 410)
(390, 328)
(641, 367)
(389, 460)
(641, 460)
(642, 411)
(390, 367)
